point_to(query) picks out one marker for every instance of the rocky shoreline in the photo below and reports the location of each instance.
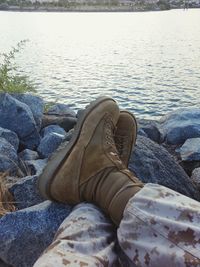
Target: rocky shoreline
(166, 152)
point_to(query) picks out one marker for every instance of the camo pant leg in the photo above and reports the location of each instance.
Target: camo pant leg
(161, 228)
(85, 238)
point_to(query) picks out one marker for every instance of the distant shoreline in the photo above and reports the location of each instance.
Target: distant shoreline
(78, 9)
(66, 10)
(85, 9)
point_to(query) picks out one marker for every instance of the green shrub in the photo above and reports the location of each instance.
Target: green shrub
(10, 80)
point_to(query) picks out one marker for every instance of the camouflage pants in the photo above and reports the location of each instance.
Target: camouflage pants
(160, 227)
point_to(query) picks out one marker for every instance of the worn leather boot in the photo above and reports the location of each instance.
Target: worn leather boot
(89, 168)
(125, 135)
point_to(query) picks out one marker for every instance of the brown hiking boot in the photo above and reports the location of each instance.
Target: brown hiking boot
(89, 168)
(125, 135)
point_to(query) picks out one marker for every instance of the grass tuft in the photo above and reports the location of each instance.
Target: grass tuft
(11, 81)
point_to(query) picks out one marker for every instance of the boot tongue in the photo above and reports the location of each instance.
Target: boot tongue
(116, 160)
(112, 151)
(119, 141)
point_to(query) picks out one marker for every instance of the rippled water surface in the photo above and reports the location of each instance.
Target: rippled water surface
(149, 62)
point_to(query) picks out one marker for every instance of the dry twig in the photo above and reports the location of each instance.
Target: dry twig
(6, 199)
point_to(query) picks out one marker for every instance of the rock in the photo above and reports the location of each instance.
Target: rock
(67, 123)
(141, 132)
(28, 154)
(196, 177)
(10, 180)
(69, 135)
(190, 150)
(26, 193)
(25, 234)
(180, 125)
(61, 109)
(8, 157)
(150, 128)
(35, 167)
(153, 164)
(4, 6)
(189, 166)
(53, 129)
(10, 136)
(17, 117)
(35, 103)
(3, 264)
(49, 144)
(80, 112)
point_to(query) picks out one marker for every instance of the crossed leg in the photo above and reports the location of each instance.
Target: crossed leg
(160, 227)
(85, 238)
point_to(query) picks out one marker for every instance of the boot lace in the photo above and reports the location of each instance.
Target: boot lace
(109, 137)
(121, 142)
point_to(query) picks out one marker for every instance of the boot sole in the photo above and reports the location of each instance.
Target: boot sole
(59, 157)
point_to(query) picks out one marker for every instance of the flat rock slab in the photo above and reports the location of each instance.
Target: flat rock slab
(67, 123)
(180, 125)
(153, 164)
(26, 193)
(190, 150)
(61, 109)
(25, 234)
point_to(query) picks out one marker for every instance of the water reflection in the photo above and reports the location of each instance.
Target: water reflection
(148, 61)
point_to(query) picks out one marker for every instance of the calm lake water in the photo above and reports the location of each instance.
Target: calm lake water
(149, 62)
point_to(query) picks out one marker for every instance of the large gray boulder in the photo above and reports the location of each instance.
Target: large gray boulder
(17, 117)
(8, 157)
(25, 234)
(35, 103)
(49, 144)
(153, 164)
(26, 193)
(10, 136)
(61, 109)
(190, 150)
(180, 125)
